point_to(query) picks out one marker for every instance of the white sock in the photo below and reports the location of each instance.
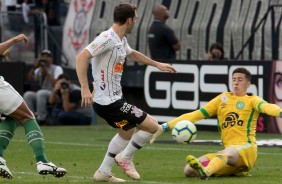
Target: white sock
(116, 145)
(137, 141)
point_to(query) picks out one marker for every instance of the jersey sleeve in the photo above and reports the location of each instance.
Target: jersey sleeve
(209, 110)
(100, 44)
(263, 106)
(192, 116)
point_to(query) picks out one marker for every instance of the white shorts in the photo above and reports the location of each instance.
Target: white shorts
(10, 99)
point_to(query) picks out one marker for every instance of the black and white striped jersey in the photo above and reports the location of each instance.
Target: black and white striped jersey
(109, 53)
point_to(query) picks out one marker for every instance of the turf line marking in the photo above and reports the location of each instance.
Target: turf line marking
(146, 147)
(105, 146)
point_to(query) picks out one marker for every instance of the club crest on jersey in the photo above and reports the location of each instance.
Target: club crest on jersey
(136, 111)
(240, 105)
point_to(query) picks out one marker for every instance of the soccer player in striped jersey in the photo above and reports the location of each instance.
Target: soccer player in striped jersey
(237, 115)
(108, 52)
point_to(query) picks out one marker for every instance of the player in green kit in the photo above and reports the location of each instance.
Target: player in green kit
(17, 112)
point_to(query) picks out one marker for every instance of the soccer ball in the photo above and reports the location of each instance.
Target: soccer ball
(184, 132)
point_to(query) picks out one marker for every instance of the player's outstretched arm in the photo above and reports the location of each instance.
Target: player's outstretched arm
(141, 58)
(192, 116)
(7, 44)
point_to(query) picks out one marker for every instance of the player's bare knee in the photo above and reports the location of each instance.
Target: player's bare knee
(189, 171)
(153, 126)
(126, 134)
(232, 155)
(22, 120)
(22, 113)
(150, 125)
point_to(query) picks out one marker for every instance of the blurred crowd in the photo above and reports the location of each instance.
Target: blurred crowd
(55, 9)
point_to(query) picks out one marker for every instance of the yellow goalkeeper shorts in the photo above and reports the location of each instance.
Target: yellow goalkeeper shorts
(248, 157)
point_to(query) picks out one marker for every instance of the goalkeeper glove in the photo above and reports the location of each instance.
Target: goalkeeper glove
(161, 128)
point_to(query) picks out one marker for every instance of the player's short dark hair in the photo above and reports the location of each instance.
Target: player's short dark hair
(243, 71)
(123, 11)
(219, 47)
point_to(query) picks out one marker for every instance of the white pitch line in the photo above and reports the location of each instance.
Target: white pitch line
(146, 147)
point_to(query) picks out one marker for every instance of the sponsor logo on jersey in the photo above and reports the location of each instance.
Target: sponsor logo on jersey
(223, 105)
(126, 107)
(231, 119)
(121, 124)
(102, 75)
(121, 58)
(103, 45)
(116, 92)
(136, 111)
(118, 47)
(102, 86)
(118, 68)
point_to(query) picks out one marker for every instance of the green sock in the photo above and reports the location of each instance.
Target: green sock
(7, 129)
(35, 140)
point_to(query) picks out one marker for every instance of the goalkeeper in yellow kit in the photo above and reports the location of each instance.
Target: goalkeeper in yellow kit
(237, 115)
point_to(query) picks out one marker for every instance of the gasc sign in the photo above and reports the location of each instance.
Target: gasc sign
(195, 84)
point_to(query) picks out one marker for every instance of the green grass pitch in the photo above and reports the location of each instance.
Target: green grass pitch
(80, 149)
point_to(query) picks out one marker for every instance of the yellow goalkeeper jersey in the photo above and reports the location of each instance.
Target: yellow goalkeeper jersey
(237, 116)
